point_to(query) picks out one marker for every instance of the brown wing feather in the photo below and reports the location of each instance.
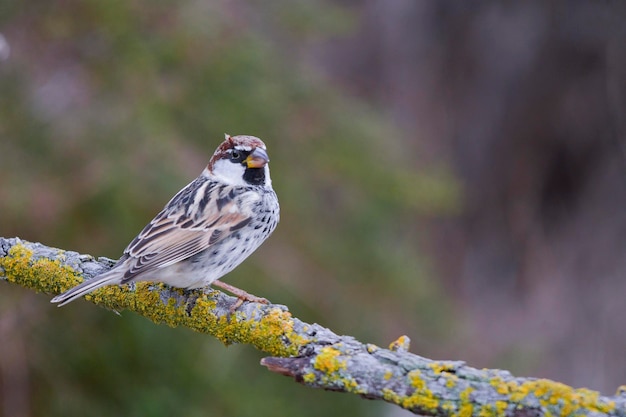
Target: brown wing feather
(173, 236)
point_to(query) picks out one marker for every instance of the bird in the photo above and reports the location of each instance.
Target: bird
(206, 230)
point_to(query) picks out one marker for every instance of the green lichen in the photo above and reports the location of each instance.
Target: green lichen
(45, 275)
(271, 331)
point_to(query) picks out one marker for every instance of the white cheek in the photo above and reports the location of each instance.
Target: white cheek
(228, 172)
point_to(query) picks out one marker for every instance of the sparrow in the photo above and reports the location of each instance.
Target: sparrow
(206, 230)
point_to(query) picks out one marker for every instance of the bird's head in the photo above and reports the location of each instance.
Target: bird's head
(241, 160)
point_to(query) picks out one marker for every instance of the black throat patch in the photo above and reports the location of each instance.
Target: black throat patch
(254, 176)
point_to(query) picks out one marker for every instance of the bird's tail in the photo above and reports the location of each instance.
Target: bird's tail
(108, 278)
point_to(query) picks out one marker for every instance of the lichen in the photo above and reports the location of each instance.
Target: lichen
(328, 371)
(557, 396)
(371, 348)
(403, 343)
(328, 362)
(439, 367)
(271, 331)
(466, 408)
(502, 387)
(45, 275)
(422, 398)
(501, 407)
(572, 400)
(493, 410)
(554, 397)
(309, 378)
(451, 380)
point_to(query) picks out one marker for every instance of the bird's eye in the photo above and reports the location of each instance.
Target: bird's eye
(235, 155)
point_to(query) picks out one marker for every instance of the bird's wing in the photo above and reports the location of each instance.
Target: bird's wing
(196, 218)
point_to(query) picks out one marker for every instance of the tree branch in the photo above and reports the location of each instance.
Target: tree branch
(310, 353)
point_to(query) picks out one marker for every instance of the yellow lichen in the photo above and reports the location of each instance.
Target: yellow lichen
(401, 343)
(486, 410)
(272, 333)
(49, 276)
(371, 348)
(327, 360)
(422, 398)
(390, 396)
(550, 393)
(466, 408)
(503, 387)
(388, 375)
(451, 381)
(330, 365)
(439, 367)
(444, 369)
(413, 402)
(465, 394)
(309, 377)
(493, 410)
(501, 407)
(448, 407)
(416, 380)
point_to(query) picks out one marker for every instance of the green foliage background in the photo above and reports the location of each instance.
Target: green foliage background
(108, 108)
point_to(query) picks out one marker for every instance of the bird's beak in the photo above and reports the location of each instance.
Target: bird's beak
(257, 159)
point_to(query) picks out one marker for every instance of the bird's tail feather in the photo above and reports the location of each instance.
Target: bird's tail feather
(108, 278)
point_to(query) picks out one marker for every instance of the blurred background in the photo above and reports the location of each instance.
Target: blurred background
(450, 171)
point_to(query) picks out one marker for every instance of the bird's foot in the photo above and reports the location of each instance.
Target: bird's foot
(241, 295)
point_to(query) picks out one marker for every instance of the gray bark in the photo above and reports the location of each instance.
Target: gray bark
(311, 354)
